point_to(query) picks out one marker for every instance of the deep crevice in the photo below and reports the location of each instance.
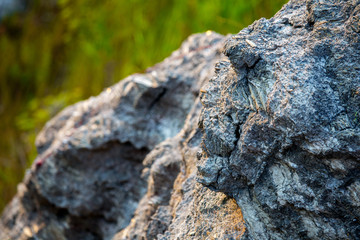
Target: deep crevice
(157, 99)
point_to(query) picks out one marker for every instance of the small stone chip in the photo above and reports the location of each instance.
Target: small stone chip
(27, 232)
(251, 43)
(36, 228)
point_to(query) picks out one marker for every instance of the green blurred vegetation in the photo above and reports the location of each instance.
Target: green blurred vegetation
(59, 52)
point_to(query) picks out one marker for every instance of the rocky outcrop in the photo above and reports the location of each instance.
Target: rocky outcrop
(270, 132)
(281, 126)
(89, 176)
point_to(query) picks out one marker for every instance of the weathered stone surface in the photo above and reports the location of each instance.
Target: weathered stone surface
(281, 126)
(186, 209)
(88, 178)
(270, 132)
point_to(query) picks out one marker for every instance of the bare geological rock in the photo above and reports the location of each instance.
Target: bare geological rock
(281, 126)
(89, 178)
(262, 142)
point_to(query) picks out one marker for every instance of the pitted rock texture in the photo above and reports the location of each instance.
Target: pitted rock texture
(281, 126)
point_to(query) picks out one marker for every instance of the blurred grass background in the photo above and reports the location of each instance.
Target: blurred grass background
(56, 53)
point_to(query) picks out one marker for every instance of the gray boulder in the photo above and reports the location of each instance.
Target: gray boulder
(281, 123)
(88, 178)
(260, 143)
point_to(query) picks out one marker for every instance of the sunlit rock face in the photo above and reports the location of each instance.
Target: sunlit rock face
(124, 162)
(281, 123)
(250, 136)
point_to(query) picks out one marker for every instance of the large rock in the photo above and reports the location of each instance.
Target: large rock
(89, 177)
(271, 132)
(281, 123)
